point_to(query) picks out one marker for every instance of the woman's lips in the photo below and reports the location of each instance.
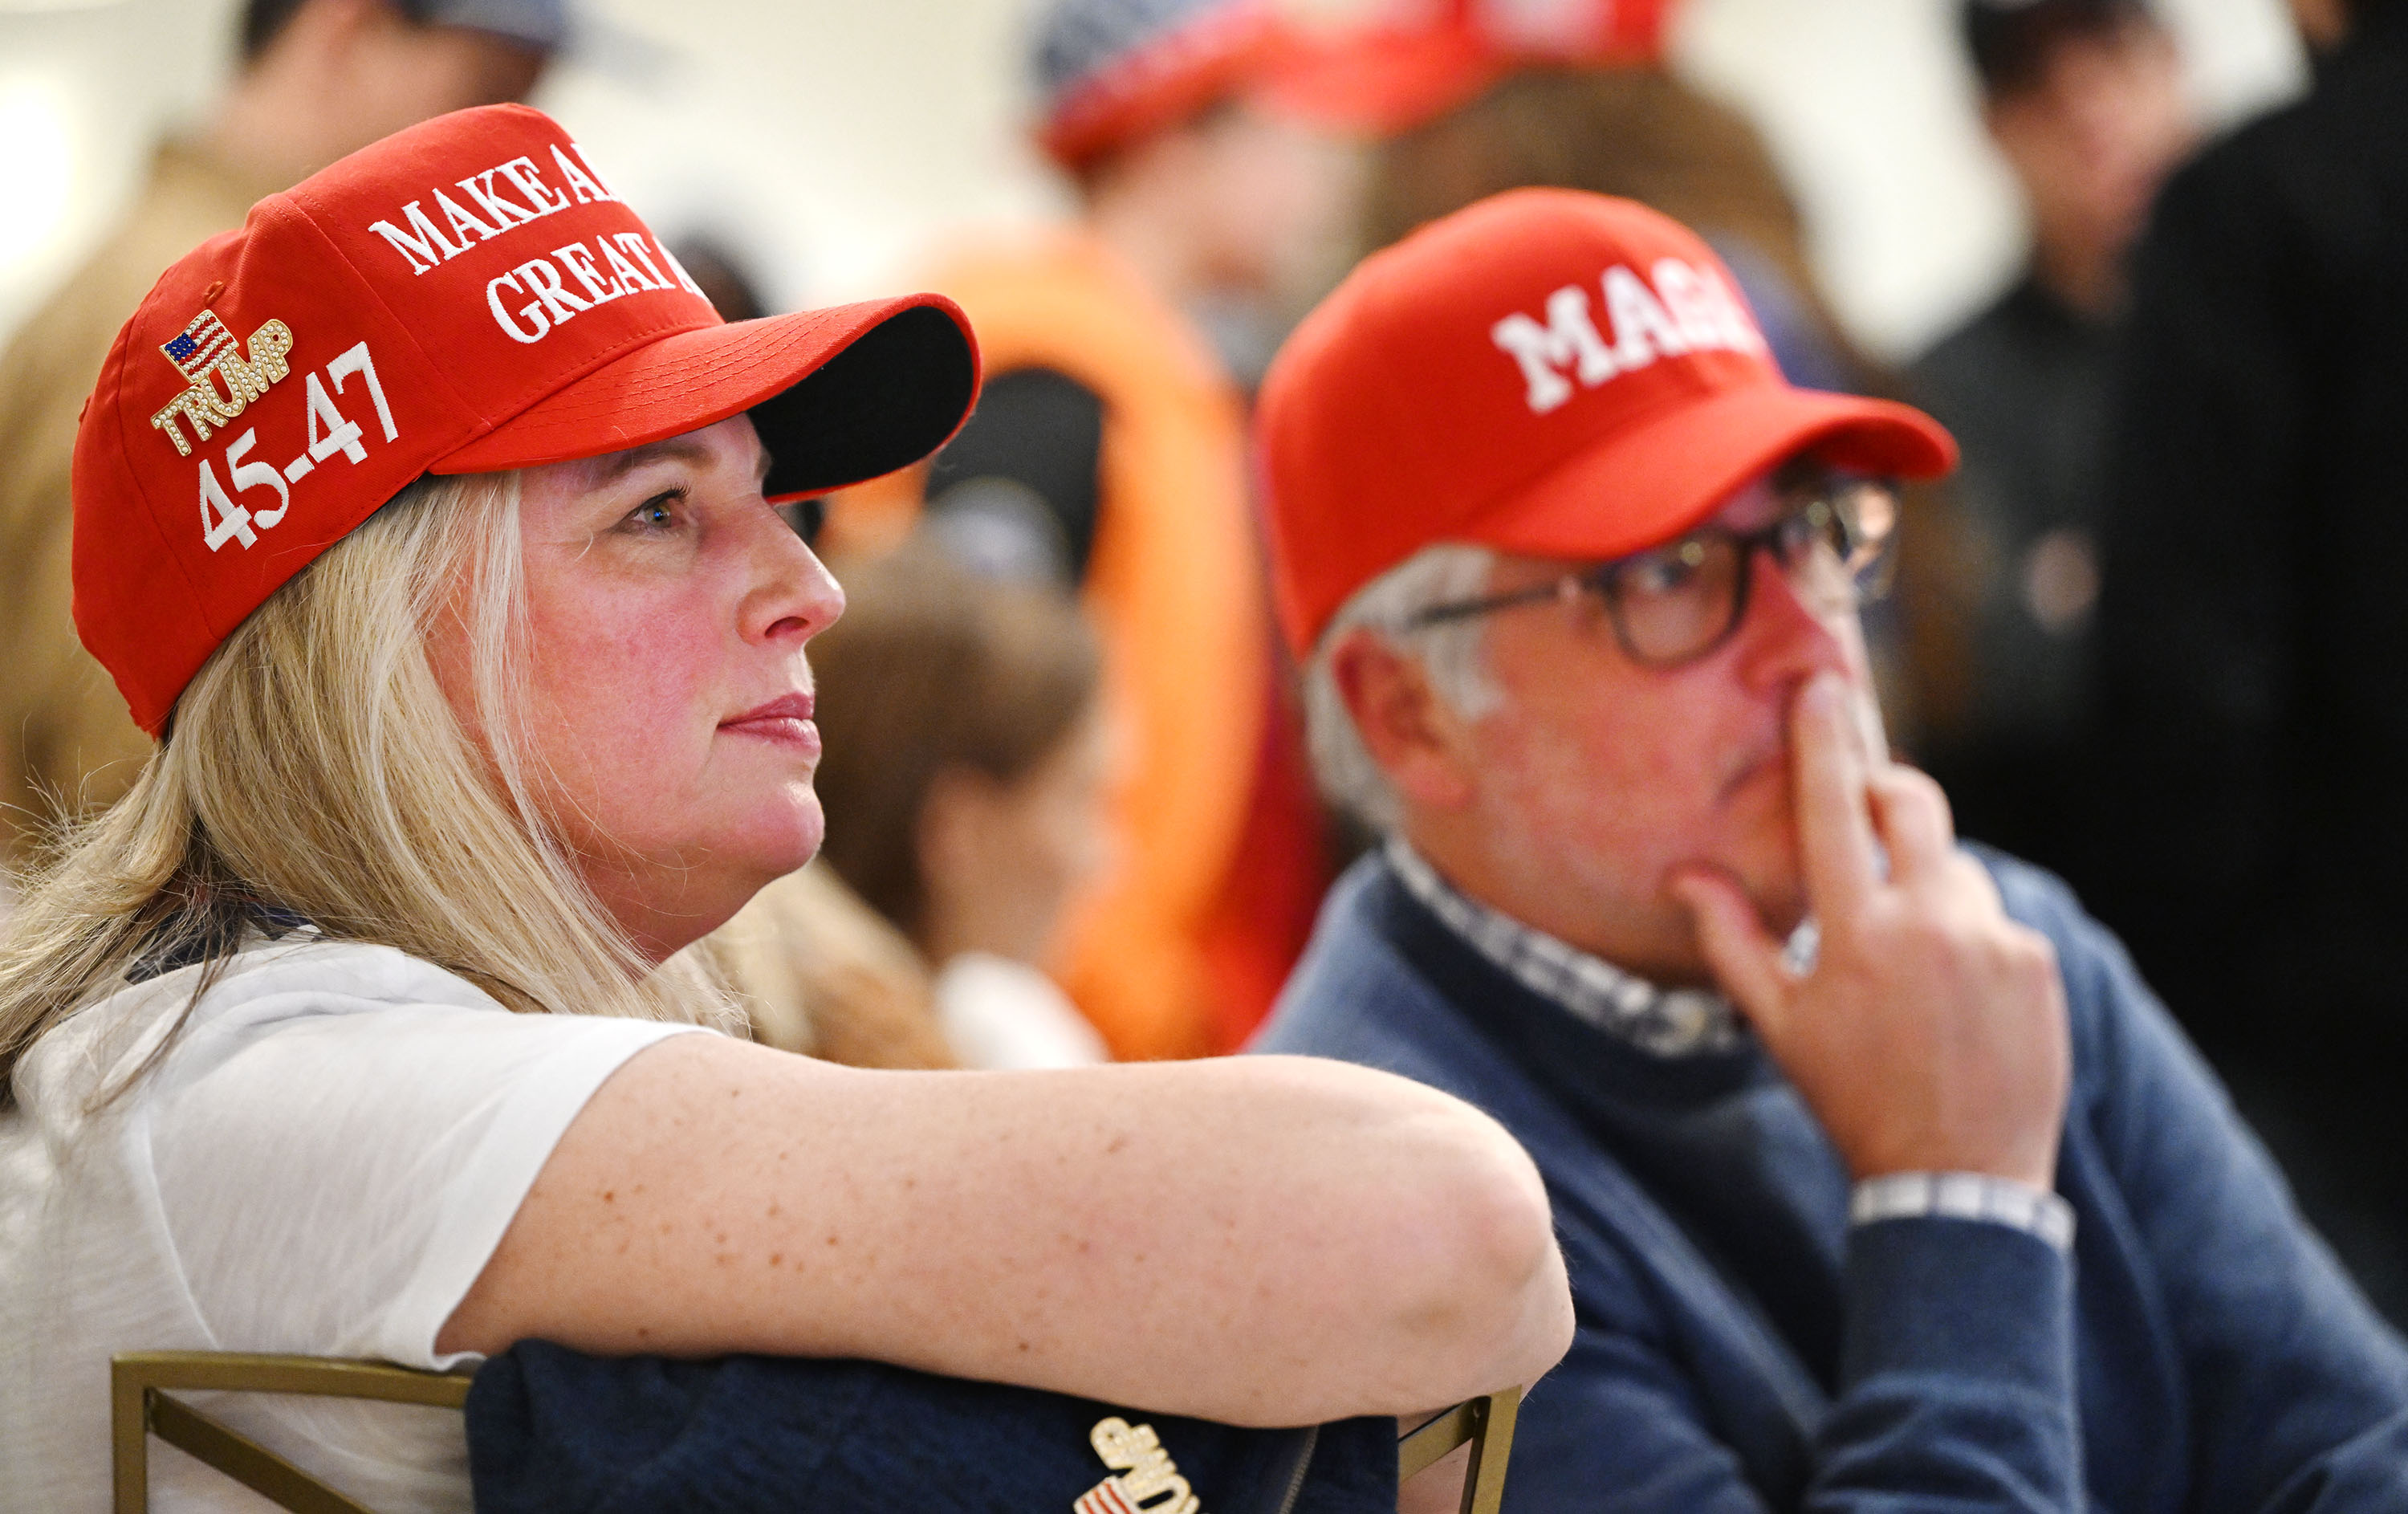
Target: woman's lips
(786, 720)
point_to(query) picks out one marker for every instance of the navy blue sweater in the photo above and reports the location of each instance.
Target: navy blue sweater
(1739, 1348)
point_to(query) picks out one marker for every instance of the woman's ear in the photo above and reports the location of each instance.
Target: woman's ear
(1416, 737)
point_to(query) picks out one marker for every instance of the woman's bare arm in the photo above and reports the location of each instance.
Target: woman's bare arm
(1260, 1240)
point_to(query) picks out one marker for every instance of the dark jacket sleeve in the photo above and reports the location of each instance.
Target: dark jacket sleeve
(1956, 1393)
(1957, 1384)
(2208, 475)
(2296, 1388)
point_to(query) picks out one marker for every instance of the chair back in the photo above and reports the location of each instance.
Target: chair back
(141, 1384)
(1486, 1423)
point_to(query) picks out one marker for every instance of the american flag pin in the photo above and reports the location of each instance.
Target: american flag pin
(1104, 1498)
(207, 348)
(198, 348)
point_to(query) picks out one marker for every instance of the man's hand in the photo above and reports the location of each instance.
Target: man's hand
(1930, 1034)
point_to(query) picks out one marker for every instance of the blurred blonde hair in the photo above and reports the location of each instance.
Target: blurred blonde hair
(818, 972)
(315, 766)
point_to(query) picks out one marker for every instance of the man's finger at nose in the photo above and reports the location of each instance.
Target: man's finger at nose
(1829, 775)
(1911, 815)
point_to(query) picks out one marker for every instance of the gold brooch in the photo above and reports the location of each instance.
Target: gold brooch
(1146, 1473)
(205, 351)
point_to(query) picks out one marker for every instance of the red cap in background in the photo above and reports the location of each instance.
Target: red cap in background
(1547, 372)
(1407, 61)
(467, 295)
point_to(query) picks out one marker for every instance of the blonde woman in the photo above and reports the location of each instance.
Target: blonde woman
(427, 520)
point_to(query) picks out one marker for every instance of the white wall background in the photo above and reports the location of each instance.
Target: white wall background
(831, 142)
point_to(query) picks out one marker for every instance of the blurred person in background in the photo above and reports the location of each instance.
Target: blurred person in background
(2253, 632)
(820, 972)
(2084, 101)
(1109, 453)
(1923, 1205)
(966, 771)
(316, 80)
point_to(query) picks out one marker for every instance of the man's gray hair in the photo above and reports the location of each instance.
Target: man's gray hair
(1450, 652)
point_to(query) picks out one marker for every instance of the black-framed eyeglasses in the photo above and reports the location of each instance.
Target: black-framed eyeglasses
(1677, 602)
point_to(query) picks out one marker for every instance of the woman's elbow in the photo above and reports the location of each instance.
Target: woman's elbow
(1484, 1303)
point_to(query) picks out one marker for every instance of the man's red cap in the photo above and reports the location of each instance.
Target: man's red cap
(468, 295)
(1409, 61)
(1548, 372)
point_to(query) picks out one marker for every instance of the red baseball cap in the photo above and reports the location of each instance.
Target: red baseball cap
(468, 295)
(1547, 372)
(1409, 61)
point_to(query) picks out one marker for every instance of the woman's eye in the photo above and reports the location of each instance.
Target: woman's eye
(658, 514)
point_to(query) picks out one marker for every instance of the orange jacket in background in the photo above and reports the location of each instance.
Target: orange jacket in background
(1174, 583)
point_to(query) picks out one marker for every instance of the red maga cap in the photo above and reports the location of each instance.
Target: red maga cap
(1547, 372)
(1405, 62)
(468, 295)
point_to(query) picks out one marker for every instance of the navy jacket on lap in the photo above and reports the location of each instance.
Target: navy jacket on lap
(1739, 1348)
(553, 1431)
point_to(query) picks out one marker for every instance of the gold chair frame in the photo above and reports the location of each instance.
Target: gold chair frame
(141, 1383)
(140, 1406)
(1486, 1423)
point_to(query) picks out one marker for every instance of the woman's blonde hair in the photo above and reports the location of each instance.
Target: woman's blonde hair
(315, 768)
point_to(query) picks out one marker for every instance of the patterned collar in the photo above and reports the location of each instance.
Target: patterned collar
(1664, 1022)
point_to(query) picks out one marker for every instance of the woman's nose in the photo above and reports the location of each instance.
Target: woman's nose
(792, 593)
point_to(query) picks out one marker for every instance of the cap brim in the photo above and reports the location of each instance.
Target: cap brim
(1687, 464)
(1384, 83)
(840, 394)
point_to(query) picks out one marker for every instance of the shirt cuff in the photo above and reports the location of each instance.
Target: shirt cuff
(1980, 1196)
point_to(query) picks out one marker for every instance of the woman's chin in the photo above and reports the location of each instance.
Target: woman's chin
(783, 836)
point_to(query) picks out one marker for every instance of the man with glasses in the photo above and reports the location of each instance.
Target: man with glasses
(1883, 1182)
